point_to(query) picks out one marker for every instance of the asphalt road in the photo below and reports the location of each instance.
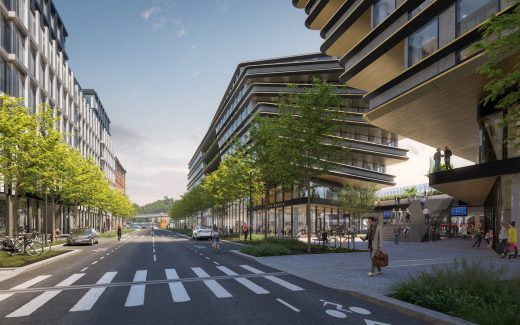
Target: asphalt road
(164, 278)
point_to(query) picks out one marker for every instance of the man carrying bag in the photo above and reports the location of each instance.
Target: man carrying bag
(375, 244)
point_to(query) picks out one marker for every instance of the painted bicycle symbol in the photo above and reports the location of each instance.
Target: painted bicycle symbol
(340, 312)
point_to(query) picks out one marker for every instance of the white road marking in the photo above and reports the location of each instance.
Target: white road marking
(216, 263)
(245, 282)
(94, 262)
(274, 279)
(108, 254)
(154, 258)
(136, 293)
(24, 285)
(288, 305)
(83, 269)
(213, 285)
(206, 258)
(91, 297)
(177, 289)
(102, 257)
(154, 250)
(201, 254)
(42, 299)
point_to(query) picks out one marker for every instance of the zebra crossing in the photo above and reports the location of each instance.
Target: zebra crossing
(137, 287)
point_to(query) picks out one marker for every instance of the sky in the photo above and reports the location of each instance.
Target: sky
(161, 67)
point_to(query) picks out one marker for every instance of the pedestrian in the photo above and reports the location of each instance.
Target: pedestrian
(502, 240)
(447, 157)
(489, 238)
(119, 231)
(353, 233)
(245, 229)
(512, 240)
(375, 243)
(426, 213)
(408, 215)
(423, 201)
(465, 232)
(478, 237)
(400, 216)
(437, 160)
(398, 200)
(406, 233)
(397, 234)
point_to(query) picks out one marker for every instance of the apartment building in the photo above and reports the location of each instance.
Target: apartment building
(415, 61)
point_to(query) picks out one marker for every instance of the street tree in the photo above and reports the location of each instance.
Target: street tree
(300, 144)
(357, 200)
(501, 41)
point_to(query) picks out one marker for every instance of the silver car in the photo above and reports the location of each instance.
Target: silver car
(201, 232)
(83, 236)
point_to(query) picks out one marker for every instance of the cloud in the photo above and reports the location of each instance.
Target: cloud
(148, 13)
(194, 46)
(223, 6)
(182, 28)
(195, 74)
(160, 22)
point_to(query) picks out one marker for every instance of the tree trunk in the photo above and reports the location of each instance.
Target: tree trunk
(53, 222)
(265, 211)
(308, 210)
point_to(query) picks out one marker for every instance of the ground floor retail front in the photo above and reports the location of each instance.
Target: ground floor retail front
(35, 215)
(286, 218)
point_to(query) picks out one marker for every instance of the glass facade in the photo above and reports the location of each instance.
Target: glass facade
(470, 13)
(423, 42)
(420, 8)
(381, 10)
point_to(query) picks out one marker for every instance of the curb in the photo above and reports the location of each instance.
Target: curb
(18, 270)
(245, 255)
(411, 310)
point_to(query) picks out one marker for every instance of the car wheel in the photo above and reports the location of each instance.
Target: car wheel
(91, 241)
(196, 237)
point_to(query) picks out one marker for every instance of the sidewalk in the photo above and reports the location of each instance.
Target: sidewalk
(347, 271)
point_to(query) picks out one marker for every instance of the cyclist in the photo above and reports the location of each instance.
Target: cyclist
(215, 235)
(118, 232)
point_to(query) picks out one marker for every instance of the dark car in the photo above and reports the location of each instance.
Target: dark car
(83, 236)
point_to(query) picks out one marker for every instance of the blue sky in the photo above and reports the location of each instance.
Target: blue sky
(161, 68)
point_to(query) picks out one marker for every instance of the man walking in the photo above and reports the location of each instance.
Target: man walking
(408, 216)
(426, 213)
(119, 231)
(397, 234)
(478, 235)
(375, 243)
(245, 229)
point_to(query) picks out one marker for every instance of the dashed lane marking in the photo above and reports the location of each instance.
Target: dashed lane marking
(287, 305)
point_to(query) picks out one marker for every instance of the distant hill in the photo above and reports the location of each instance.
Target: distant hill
(156, 207)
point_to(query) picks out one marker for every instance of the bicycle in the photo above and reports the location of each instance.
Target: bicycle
(45, 243)
(25, 245)
(216, 245)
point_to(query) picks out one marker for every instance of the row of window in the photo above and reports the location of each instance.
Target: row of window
(425, 40)
(231, 108)
(367, 137)
(236, 123)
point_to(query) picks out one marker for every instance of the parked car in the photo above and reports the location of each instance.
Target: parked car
(201, 232)
(83, 236)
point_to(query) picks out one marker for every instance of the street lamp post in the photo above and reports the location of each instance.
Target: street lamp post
(250, 210)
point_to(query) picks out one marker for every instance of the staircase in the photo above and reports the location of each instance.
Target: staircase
(439, 207)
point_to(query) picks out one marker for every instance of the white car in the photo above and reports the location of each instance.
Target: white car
(201, 232)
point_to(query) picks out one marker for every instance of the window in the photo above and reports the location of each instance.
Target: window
(470, 13)
(423, 42)
(382, 9)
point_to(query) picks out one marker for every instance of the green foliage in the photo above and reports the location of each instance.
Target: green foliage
(501, 40)
(35, 160)
(266, 249)
(158, 206)
(358, 199)
(470, 291)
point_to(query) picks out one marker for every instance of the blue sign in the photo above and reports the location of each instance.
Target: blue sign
(387, 214)
(459, 211)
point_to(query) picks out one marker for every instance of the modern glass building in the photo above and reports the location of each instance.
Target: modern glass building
(34, 65)
(253, 89)
(415, 62)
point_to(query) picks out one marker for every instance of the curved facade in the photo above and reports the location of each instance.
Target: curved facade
(254, 87)
(415, 61)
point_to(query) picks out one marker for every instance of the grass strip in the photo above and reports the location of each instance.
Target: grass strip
(23, 260)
